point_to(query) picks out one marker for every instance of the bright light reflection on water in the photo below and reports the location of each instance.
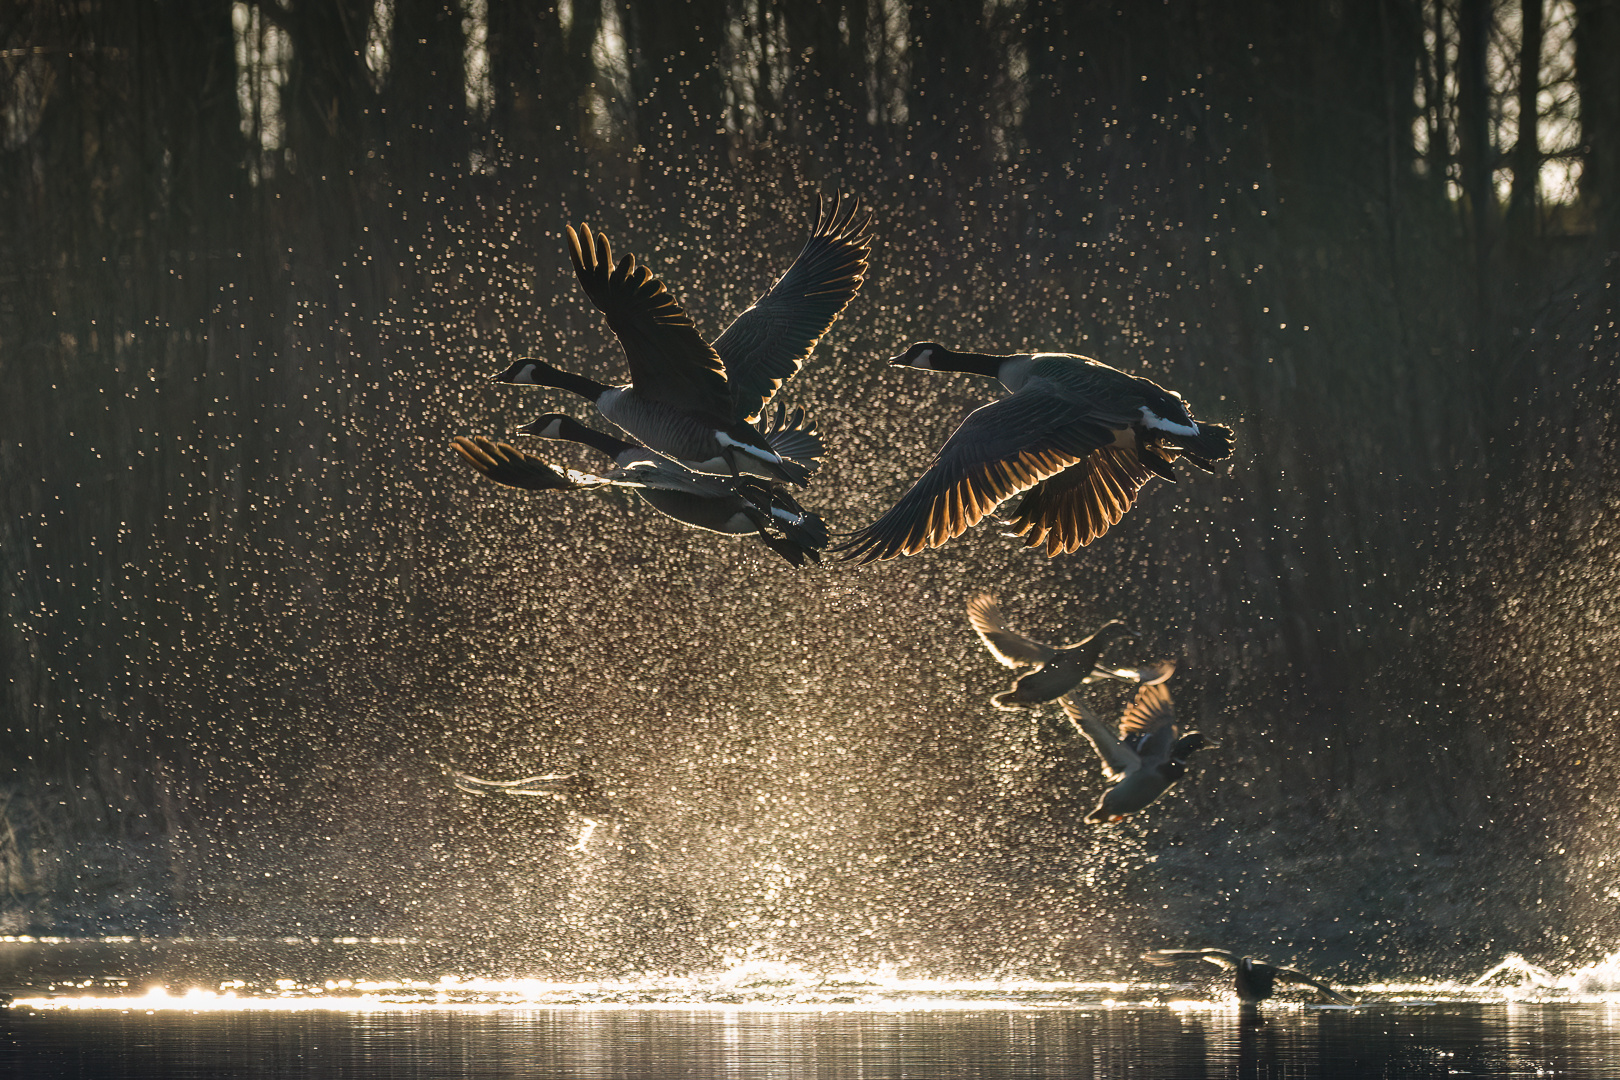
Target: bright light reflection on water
(345, 1007)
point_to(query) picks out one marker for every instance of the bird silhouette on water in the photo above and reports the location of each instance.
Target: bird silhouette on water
(1080, 437)
(1058, 668)
(1252, 980)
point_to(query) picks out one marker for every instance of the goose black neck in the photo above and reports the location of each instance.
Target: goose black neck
(545, 375)
(968, 363)
(599, 440)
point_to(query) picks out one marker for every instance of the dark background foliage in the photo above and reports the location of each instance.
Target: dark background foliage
(259, 259)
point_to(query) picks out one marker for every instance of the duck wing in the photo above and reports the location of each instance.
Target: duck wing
(1148, 724)
(669, 361)
(1001, 449)
(1079, 504)
(1011, 649)
(505, 464)
(554, 785)
(1289, 975)
(768, 344)
(1155, 672)
(1118, 760)
(1175, 956)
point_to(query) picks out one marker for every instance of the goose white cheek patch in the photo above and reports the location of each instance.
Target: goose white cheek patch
(1159, 423)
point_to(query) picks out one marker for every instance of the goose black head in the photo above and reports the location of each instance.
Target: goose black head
(1163, 410)
(523, 371)
(553, 426)
(922, 355)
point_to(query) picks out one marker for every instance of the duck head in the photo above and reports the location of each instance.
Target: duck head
(1112, 629)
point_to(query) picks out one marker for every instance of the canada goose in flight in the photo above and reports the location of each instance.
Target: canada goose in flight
(575, 790)
(688, 399)
(1252, 980)
(735, 506)
(1147, 756)
(1058, 668)
(1080, 437)
(717, 504)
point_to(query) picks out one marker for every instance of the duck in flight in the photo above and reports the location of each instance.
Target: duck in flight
(1077, 437)
(1253, 980)
(576, 790)
(1144, 759)
(694, 401)
(736, 506)
(1058, 669)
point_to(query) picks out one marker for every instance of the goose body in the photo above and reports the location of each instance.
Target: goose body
(736, 506)
(1147, 755)
(693, 401)
(1059, 668)
(1080, 438)
(1253, 980)
(716, 504)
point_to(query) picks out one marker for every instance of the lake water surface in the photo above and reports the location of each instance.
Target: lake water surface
(141, 1009)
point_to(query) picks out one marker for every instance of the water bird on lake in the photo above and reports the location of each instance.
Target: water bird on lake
(736, 506)
(697, 402)
(1079, 437)
(1253, 980)
(1144, 759)
(1059, 669)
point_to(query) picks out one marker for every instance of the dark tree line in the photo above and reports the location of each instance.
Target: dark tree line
(239, 246)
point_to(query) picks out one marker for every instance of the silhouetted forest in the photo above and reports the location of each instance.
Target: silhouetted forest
(259, 259)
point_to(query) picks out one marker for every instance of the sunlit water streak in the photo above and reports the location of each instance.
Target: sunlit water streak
(165, 975)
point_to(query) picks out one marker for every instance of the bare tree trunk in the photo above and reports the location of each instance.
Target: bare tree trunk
(1597, 75)
(827, 46)
(426, 96)
(537, 68)
(1521, 215)
(1476, 157)
(676, 50)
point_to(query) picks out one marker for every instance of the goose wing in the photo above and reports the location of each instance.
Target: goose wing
(1118, 760)
(1011, 649)
(1079, 504)
(768, 344)
(1175, 956)
(505, 464)
(1001, 449)
(793, 435)
(669, 361)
